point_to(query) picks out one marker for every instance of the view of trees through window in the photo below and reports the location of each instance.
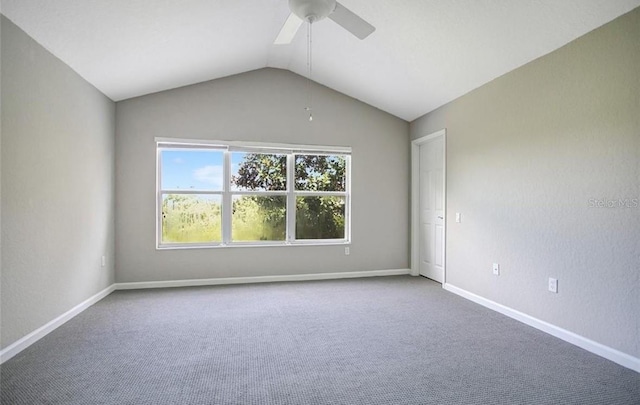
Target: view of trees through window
(193, 196)
(188, 218)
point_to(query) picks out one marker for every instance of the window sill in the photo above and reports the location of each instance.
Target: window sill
(253, 245)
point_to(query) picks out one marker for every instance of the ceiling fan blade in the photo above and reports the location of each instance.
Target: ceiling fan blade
(288, 30)
(351, 22)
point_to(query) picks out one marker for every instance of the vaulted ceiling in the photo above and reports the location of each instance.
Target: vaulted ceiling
(423, 54)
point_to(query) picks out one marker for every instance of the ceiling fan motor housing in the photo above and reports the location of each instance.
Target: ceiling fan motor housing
(312, 10)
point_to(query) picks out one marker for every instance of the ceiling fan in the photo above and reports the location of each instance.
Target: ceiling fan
(312, 11)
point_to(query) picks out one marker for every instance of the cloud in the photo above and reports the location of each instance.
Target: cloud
(212, 175)
(178, 161)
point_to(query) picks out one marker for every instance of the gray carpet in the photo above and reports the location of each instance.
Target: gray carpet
(389, 340)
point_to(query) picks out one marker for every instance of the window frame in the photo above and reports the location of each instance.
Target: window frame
(227, 194)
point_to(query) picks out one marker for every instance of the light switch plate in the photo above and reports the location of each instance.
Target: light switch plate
(553, 285)
(458, 217)
(496, 269)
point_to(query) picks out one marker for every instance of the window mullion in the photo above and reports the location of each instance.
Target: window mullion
(291, 198)
(259, 192)
(227, 206)
(321, 193)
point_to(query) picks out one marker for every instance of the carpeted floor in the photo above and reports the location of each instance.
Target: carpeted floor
(388, 340)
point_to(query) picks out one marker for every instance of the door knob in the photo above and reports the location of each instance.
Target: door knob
(440, 217)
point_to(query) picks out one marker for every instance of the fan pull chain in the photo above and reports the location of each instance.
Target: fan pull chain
(310, 68)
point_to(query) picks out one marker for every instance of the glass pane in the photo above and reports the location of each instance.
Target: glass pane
(320, 172)
(320, 217)
(258, 218)
(258, 171)
(191, 218)
(192, 170)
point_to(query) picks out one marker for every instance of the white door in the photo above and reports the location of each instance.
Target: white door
(431, 209)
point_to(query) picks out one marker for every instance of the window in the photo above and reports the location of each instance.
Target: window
(233, 193)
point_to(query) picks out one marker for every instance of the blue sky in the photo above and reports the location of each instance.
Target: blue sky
(195, 170)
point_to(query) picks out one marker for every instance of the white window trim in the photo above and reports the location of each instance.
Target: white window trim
(227, 195)
(268, 147)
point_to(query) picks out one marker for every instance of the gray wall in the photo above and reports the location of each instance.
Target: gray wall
(525, 155)
(0, 176)
(57, 187)
(265, 106)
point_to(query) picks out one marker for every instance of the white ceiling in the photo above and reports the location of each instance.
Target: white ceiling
(423, 54)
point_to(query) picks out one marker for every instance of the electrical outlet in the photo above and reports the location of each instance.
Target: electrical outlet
(496, 269)
(553, 285)
(346, 251)
(458, 217)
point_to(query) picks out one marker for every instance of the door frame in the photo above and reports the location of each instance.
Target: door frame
(415, 200)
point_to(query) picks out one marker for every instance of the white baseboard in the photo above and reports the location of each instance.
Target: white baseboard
(31, 338)
(589, 345)
(258, 279)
